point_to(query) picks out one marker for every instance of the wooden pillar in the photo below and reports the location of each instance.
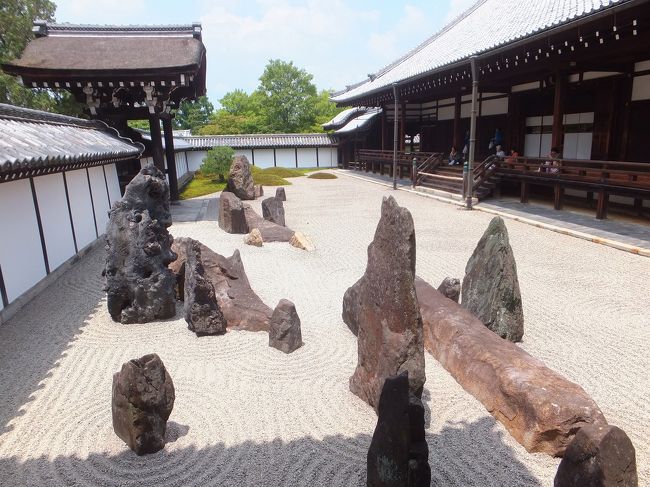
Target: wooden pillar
(458, 136)
(156, 142)
(525, 192)
(402, 126)
(559, 196)
(626, 99)
(557, 139)
(171, 157)
(383, 130)
(603, 200)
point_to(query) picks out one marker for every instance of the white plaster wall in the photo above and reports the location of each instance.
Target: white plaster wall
(80, 204)
(195, 159)
(285, 157)
(641, 88)
(100, 197)
(245, 152)
(113, 183)
(498, 106)
(327, 157)
(307, 157)
(21, 255)
(55, 218)
(263, 158)
(446, 113)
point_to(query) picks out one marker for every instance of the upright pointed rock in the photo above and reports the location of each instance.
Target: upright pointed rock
(240, 179)
(491, 288)
(383, 306)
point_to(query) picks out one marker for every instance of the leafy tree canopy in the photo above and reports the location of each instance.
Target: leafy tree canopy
(193, 114)
(16, 20)
(217, 162)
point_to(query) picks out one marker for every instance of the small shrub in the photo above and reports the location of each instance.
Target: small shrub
(322, 175)
(216, 164)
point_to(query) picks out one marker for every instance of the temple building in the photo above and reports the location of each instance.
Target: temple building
(567, 75)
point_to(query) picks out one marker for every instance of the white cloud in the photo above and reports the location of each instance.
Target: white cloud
(85, 12)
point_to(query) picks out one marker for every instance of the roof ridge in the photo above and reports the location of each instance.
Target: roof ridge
(43, 28)
(32, 115)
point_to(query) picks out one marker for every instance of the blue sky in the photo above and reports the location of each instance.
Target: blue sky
(338, 42)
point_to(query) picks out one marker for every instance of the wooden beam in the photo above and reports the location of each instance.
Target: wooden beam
(558, 110)
(156, 141)
(458, 136)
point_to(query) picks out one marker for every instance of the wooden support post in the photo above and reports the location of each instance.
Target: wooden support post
(525, 192)
(383, 130)
(557, 138)
(402, 127)
(559, 197)
(603, 200)
(156, 142)
(590, 199)
(625, 122)
(638, 206)
(458, 136)
(171, 157)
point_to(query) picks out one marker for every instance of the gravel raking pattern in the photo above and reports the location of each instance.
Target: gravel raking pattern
(249, 415)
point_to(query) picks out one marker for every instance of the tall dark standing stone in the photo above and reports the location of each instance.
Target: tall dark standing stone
(143, 398)
(383, 306)
(398, 455)
(232, 218)
(139, 285)
(491, 288)
(202, 312)
(240, 179)
(284, 329)
(598, 456)
(280, 193)
(273, 210)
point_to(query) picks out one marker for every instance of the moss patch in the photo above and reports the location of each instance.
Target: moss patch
(322, 175)
(200, 186)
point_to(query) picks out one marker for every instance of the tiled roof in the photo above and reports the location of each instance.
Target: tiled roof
(360, 123)
(248, 141)
(77, 48)
(31, 139)
(344, 117)
(486, 25)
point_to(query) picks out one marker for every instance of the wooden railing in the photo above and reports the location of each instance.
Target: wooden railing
(428, 166)
(382, 161)
(603, 177)
(482, 172)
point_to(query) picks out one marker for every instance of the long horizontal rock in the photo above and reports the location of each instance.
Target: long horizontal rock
(271, 232)
(540, 408)
(242, 308)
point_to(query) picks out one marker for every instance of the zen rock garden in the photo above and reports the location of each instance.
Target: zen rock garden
(469, 327)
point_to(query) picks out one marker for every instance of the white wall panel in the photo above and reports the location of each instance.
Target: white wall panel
(570, 147)
(285, 157)
(100, 197)
(82, 210)
(326, 157)
(53, 207)
(21, 254)
(306, 157)
(195, 159)
(584, 145)
(641, 88)
(497, 106)
(263, 158)
(531, 145)
(113, 183)
(545, 145)
(244, 152)
(446, 113)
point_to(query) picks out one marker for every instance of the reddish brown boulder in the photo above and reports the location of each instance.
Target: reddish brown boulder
(259, 190)
(242, 308)
(143, 398)
(385, 307)
(273, 210)
(240, 179)
(541, 409)
(598, 456)
(271, 232)
(231, 214)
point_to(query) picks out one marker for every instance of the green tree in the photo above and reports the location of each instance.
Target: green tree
(217, 162)
(16, 20)
(194, 114)
(288, 97)
(324, 110)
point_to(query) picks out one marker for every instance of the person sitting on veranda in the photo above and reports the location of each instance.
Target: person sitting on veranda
(454, 156)
(552, 164)
(500, 152)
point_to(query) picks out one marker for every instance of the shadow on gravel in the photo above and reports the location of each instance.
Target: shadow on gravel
(463, 455)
